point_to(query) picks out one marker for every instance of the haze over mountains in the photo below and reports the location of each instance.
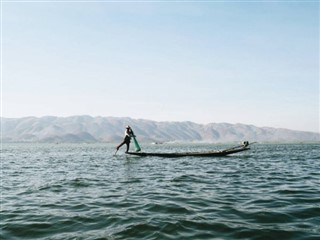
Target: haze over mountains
(111, 129)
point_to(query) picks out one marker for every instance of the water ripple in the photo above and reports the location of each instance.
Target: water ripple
(82, 191)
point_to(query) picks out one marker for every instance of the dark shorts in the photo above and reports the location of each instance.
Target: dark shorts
(127, 139)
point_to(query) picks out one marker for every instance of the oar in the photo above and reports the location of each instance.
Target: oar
(116, 152)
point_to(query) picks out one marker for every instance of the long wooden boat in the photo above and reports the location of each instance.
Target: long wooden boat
(219, 153)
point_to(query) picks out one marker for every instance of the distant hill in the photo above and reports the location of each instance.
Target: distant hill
(111, 129)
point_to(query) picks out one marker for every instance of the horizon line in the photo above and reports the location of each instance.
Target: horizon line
(164, 121)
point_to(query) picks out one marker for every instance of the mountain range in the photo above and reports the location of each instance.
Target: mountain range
(111, 129)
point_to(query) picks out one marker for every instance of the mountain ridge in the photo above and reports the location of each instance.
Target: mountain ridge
(85, 128)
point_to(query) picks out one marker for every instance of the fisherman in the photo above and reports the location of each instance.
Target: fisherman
(128, 134)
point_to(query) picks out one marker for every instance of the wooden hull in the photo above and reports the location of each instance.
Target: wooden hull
(221, 153)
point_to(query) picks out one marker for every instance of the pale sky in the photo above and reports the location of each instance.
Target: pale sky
(251, 62)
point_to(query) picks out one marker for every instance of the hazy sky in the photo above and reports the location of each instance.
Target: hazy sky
(237, 62)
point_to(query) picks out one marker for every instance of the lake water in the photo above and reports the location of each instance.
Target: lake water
(83, 191)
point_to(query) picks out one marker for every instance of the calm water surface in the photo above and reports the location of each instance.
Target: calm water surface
(82, 191)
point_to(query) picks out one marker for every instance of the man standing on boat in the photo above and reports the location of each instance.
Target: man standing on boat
(127, 138)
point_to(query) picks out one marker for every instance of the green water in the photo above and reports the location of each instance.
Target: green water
(82, 191)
